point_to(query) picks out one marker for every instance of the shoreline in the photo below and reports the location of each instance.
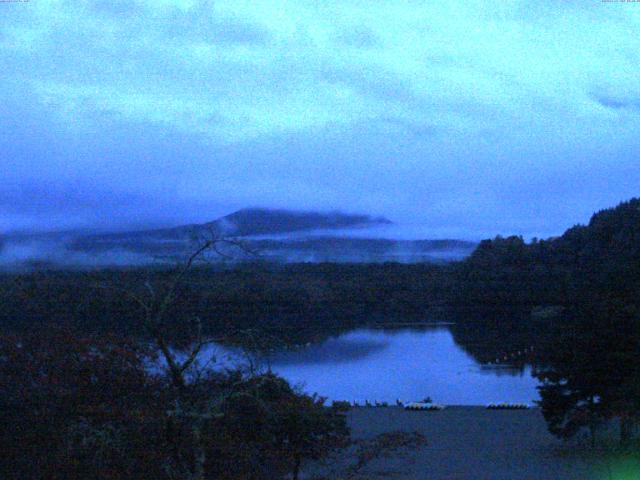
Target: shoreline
(475, 443)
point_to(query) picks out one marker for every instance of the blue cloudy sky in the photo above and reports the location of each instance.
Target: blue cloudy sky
(467, 118)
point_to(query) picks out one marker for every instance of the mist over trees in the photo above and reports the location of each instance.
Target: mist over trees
(77, 393)
(106, 406)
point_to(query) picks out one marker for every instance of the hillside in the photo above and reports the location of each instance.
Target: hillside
(603, 255)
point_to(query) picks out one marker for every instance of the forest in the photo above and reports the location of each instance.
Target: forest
(76, 391)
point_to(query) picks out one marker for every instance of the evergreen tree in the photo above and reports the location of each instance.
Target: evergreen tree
(590, 369)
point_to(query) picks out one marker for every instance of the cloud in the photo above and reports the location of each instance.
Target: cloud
(149, 111)
(617, 102)
(358, 36)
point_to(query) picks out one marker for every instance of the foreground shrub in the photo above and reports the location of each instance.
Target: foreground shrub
(82, 407)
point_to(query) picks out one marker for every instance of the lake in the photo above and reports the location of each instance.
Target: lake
(404, 363)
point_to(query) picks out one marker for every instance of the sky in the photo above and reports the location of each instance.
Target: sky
(459, 118)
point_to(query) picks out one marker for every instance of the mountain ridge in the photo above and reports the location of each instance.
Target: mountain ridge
(277, 235)
(255, 221)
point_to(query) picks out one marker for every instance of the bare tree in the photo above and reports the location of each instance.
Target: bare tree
(155, 300)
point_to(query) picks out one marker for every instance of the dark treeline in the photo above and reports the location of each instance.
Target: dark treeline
(301, 301)
(296, 301)
(575, 297)
(602, 257)
(589, 281)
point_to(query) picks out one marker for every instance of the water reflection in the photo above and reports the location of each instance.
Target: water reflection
(408, 364)
(337, 350)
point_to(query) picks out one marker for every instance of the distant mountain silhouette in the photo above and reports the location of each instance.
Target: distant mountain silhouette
(270, 234)
(243, 223)
(262, 221)
(253, 221)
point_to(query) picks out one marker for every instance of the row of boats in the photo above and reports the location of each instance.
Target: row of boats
(491, 406)
(428, 405)
(508, 406)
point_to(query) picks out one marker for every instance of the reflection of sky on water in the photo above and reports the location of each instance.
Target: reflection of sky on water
(340, 350)
(406, 364)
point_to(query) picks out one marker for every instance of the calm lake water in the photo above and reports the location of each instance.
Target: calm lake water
(405, 364)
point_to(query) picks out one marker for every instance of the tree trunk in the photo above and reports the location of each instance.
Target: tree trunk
(592, 433)
(626, 428)
(296, 468)
(199, 455)
(592, 422)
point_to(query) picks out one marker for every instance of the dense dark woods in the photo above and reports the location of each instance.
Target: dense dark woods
(591, 370)
(90, 386)
(589, 362)
(80, 407)
(292, 301)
